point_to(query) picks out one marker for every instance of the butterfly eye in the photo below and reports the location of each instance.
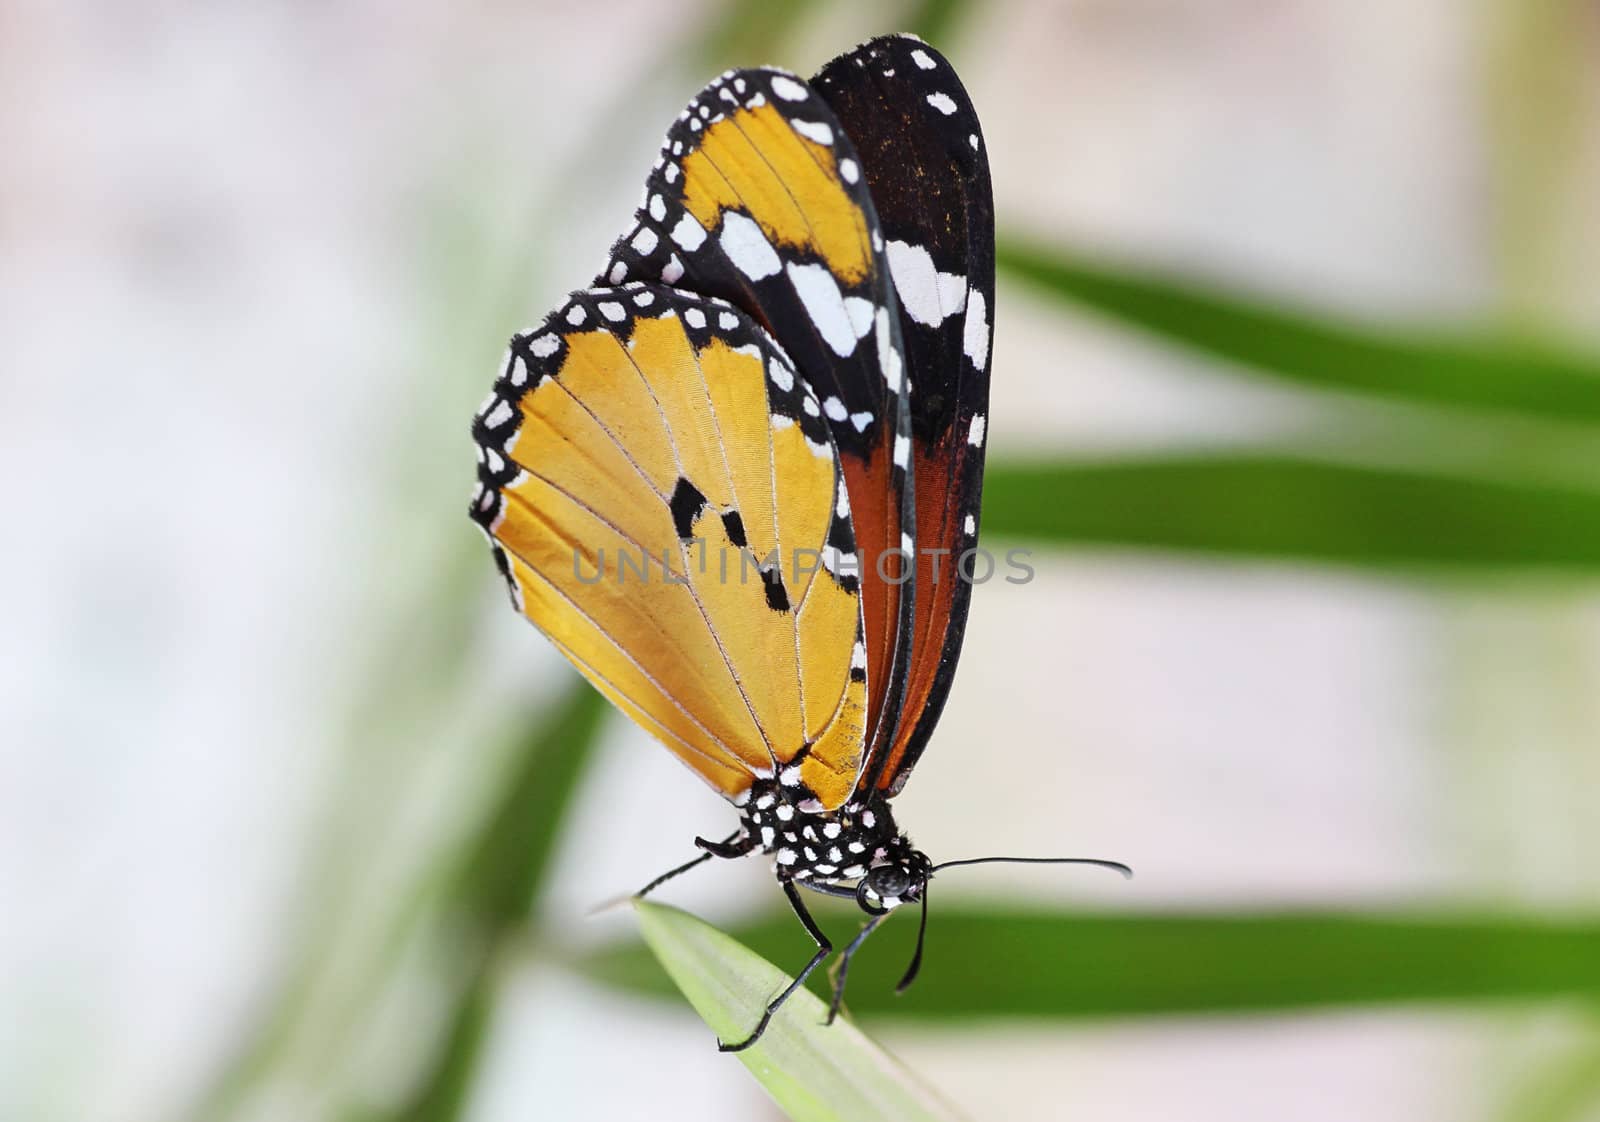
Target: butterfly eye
(888, 881)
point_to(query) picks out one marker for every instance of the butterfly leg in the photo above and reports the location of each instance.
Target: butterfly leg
(843, 968)
(736, 844)
(824, 949)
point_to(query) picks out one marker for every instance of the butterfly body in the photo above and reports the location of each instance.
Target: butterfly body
(859, 842)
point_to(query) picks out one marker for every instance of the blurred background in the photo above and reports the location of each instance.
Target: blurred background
(1296, 399)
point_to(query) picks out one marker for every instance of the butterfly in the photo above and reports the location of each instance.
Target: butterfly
(737, 480)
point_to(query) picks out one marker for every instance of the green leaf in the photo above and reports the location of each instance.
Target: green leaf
(504, 868)
(498, 884)
(1481, 371)
(1275, 505)
(815, 1072)
(444, 1092)
(1014, 963)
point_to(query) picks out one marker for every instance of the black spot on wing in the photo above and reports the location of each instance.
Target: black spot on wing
(777, 595)
(734, 526)
(686, 504)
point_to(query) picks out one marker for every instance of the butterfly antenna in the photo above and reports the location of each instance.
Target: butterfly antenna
(1117, 866)
(922, 924)
(922, 934)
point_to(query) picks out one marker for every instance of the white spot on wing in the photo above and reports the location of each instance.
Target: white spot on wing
(688, 233)
(902, 451)
(942, 103)
(543, 346)
(888, 355)
(694, 317)
(781, 375)
(618, 271)
(975, 432)
(970, 525)
(835, 409)
(849, 170)
(575, 315)
(613, 311)
(814, 130)
(785, 87)
(975, 337)
(658, 208)
(920, 57)
(645, 240)
(861, 420)
(819, 292)
(672, 271)
(860, 312)
(926, 294)
(747, 247)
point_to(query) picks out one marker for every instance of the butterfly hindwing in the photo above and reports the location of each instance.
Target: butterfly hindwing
(923, 159)
(666, 504)
(759, 198)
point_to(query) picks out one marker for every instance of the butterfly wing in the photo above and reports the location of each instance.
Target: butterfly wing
(644, 459)
(924, 162)
(759, 198)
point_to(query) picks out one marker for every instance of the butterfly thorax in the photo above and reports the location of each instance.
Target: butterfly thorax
(820, 847)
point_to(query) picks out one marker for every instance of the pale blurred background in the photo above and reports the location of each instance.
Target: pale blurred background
(257, 264)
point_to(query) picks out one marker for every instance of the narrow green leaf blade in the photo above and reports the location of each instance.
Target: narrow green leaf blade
(504, 869)
(1479, 372)
(1011, 963)
(1275, 505)
(815, 1072)
(497, 885)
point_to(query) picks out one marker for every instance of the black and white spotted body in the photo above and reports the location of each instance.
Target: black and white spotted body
(834, 849)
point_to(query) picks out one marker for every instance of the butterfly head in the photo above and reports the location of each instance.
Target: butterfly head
(900, 876)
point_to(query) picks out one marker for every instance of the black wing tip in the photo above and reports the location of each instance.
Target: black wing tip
(906, 41)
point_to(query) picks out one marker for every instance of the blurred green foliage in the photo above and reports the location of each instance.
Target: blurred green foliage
(1521, 375)
(1005, 961)
(1279, 505)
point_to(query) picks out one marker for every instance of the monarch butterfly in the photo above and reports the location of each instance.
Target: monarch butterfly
(785, 360)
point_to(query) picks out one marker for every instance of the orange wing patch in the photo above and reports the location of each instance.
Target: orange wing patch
(666, 505)
(757, 161)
